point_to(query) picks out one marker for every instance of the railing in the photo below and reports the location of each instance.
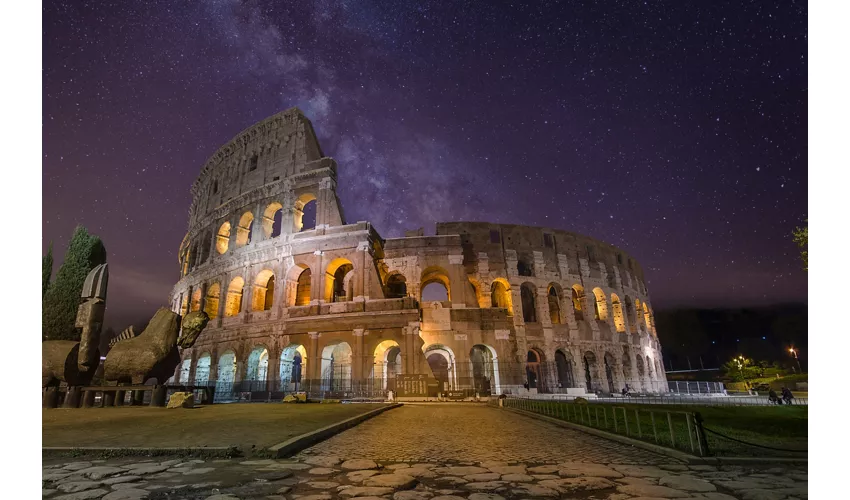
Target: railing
(696, 387)
(680, 430)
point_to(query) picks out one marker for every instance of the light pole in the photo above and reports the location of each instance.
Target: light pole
(794, 352)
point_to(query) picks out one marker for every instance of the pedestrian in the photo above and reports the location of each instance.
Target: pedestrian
(786, 395)
(771, 396)
(525, 385)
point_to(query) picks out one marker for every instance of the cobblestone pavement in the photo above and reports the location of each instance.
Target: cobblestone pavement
(467, 432)
(527, 459)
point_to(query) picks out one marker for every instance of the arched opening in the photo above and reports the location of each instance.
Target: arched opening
(554, 299)
(263, 297)
(336, 367)
(293, 363)
(637, 315)
(387, 364)
(305, 212)
(337, 275)
(578, 297)
(646, 318)
(244, 229)
(485, 370)
(649, 367)
(258, 368)
(590, 372)
(196, 299)
(396, 286)
(500, 295)
(226, 376)
(185, 369)
(619, 320)
(233, 305)
(222, 238)
(628, 375)
(640, 370)
(202, 369)
(273, 220)
(213, 298)
(609, 362)
(630, 313)
(533, 370)
(184, 305)
(600, 305)
(302, 290)
(564, 365)
(529, 306)
(204, 248)
(441, 360)
(435, 281)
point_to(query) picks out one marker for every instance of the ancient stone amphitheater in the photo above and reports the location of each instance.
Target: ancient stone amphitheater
(333, 307)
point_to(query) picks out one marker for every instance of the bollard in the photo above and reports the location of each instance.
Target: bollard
(108, 399)
(72, 398)
(158, 396)
(49, 397)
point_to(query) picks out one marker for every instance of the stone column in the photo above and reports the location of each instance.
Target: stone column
(273, 373)
(457, 275)
(324, 200)
(358, 370)
(315, 367)
(360, 289)
(191, 293)
(317, 287)
(257, 232)
(193, 365)
(224, 286)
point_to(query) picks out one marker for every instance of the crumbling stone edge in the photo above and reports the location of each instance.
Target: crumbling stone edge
(661, 450)
(196, 452)
(306, 440)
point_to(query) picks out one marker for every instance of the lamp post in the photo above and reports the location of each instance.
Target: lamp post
(794, 353)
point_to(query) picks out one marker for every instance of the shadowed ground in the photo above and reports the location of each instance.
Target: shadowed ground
(241, 425)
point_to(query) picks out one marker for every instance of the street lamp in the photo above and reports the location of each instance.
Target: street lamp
(794, 353)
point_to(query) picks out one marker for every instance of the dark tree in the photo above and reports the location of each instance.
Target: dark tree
(46, 270)
(59, 308)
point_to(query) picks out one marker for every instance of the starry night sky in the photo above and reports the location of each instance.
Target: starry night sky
(676, 132)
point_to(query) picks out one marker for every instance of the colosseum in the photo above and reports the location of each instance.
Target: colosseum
(303, 300)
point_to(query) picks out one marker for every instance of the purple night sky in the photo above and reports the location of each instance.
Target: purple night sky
(676, 132)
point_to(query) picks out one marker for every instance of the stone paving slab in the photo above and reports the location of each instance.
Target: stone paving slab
(547, 462)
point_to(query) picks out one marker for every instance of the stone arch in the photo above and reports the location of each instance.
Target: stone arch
(564, 365)
(226, 376)
(213, 299)
(273, 220)
(387, 364)
(336, 366)
(396, 287)
(610, 364)
(435, 274)
(500, 295)
(257, 368)
(244, 229)
(553, 296)
(293, 365)
(637, 314)
(600, 305)
(196, 299)
(534, 375)
(202, 369)
(617, 309)
(335, 280)
(649, 368)
(485, 370)
(185, 369)
(529, 303)
(233, 305)
(263, 297)
(222, 238)
(577, 292)
(628, 374)
(305, 203)
(441, 360)
(591, 371)
(299, 279)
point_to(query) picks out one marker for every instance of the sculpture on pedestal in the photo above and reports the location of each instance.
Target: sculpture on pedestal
(154, 352)
(76, 362)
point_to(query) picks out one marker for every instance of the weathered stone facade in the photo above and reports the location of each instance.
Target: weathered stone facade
(344, 306)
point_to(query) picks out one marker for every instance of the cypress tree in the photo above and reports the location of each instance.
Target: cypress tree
(59, 308)
(46, 270)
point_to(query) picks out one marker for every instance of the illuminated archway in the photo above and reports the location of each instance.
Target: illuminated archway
(226, 376)
(233, 305)
(305, 204)
(336, 367)
(222, 238)
(258, 368)
(293, 366)
(387, 364)
(619, 320)
(196, 299)
(441, 361)
(500, 295)
(263, 297)
(273, 220)
(243, 230)
(577, 298)
(338, 274)
(202, 369)
(485, 370)
(213, 299)
(600, 305)
(439, 275)
(554, 298)
(185, 368)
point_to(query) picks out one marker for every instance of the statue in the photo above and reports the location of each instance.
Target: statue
(153, 353)
(76, 362)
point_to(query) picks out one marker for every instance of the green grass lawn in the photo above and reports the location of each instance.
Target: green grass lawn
(241, 425)
(773, 426)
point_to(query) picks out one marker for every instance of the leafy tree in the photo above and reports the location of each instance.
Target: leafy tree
(59, 307)
(46, 270)
(740, 369)
(801, 238)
